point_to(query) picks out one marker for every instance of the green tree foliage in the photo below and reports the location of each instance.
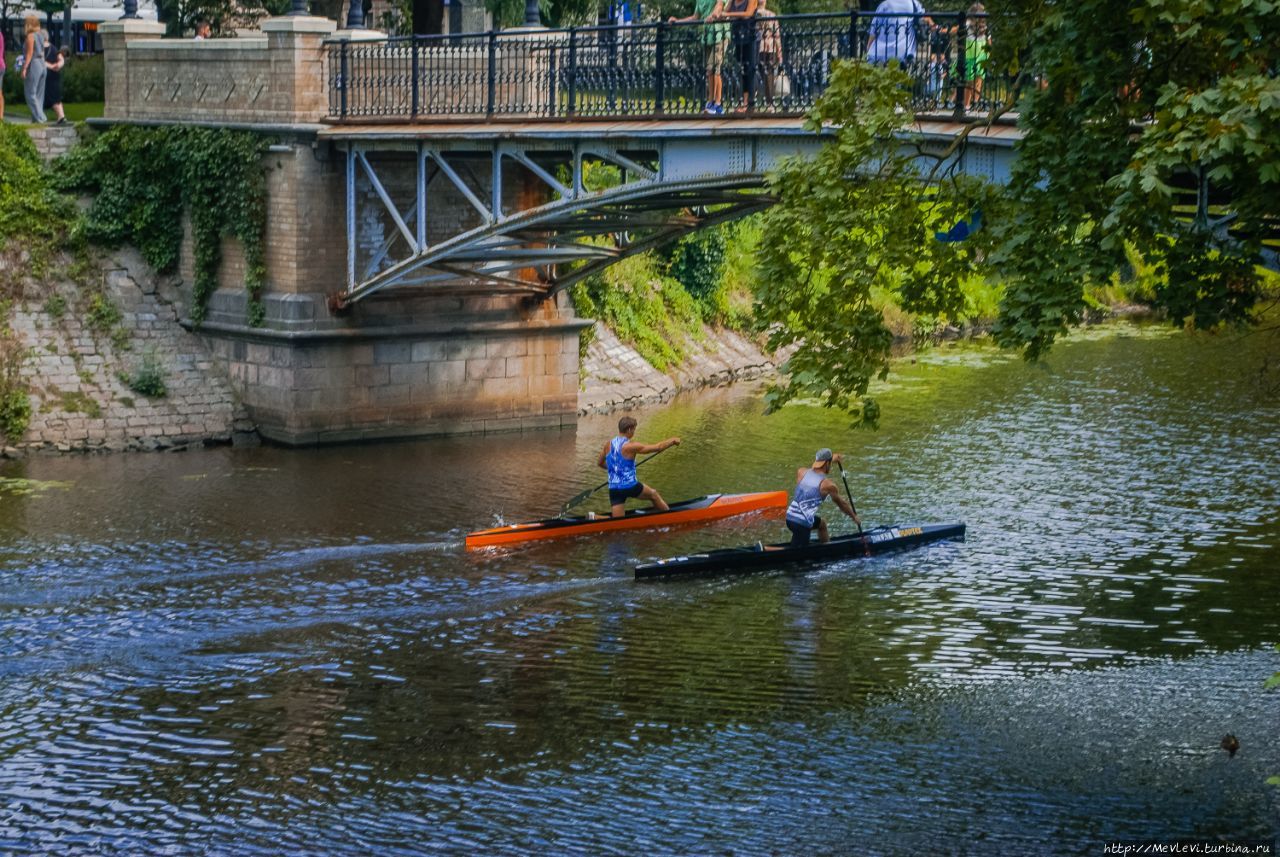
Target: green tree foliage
(33, 217)
(643, 307)
(15, 402)
(1119, 104)
(144, 179)
(698, 262)
(1125, 100)
(854, 222)
(83, 79)
(395, 19)
(225, 17)
(554, 13)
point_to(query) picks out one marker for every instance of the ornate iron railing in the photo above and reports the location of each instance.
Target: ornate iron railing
(766, 65)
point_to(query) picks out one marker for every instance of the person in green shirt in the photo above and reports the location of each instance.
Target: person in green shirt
(714, 38)
(976, 49)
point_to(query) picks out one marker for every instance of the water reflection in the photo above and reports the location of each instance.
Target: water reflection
(266, 649)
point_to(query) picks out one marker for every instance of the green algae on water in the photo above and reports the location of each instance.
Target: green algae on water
(30, 487)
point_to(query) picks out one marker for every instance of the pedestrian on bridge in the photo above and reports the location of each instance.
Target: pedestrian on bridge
(55, 60)
(770, 51)
(2, 71)
(715, 39)
(33, 68)
(893, 31)
(742, 14)
(976, 51)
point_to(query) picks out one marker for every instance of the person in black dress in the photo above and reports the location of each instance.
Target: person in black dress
(55, 60)
(742, 14)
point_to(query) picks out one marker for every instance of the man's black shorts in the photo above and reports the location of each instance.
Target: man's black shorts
(800, 533)
(618, 496)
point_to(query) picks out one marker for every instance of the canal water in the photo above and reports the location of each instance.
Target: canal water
(289, 651)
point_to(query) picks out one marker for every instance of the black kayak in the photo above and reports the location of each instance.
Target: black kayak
(878, 540)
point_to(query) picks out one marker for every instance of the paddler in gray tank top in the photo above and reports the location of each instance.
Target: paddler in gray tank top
(812, 487)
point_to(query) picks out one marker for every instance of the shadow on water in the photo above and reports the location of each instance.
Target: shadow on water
(256, 650)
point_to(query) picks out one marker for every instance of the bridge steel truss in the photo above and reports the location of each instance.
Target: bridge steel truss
(667, 186)
(672, 179)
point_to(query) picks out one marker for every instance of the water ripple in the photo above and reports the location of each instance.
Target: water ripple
(331, 672)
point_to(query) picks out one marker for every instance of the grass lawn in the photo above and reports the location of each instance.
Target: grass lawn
(83, 111)
(75, 112)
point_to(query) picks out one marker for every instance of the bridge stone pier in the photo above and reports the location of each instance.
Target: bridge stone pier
(430, 199)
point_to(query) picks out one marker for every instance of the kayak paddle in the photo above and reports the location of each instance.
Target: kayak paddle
(578, 498)
(849, 494)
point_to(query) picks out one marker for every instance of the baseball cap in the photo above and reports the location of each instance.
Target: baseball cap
(823, 454)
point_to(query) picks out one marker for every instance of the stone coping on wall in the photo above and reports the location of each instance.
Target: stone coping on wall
(403, 331)
(301, 24)
(182, 47)
(305, 130)
(306, 317)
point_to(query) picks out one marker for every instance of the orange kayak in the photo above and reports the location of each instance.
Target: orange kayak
(707, 508)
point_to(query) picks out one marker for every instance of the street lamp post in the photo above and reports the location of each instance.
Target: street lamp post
(130, 10)
(532, 17)
(299, 7)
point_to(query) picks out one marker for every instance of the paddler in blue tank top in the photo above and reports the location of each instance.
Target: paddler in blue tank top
(618, 459)
(812, 487)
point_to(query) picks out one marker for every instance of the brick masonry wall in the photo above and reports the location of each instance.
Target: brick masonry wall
(306, 230)
(79, 401)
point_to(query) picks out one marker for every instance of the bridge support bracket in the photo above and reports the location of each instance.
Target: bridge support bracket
(337, 303)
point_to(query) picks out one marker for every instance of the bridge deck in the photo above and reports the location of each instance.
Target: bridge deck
(771, 126)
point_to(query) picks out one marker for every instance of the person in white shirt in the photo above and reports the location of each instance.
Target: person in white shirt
(893, 31)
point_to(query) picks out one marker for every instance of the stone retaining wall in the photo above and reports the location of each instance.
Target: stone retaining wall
(80, 401)
(53, 141)
(617, 378)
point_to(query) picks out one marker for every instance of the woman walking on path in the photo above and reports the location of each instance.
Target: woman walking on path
(33, 68)
(55, 61)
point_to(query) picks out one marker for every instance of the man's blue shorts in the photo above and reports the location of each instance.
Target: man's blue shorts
(618, 496)
(800, 533)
